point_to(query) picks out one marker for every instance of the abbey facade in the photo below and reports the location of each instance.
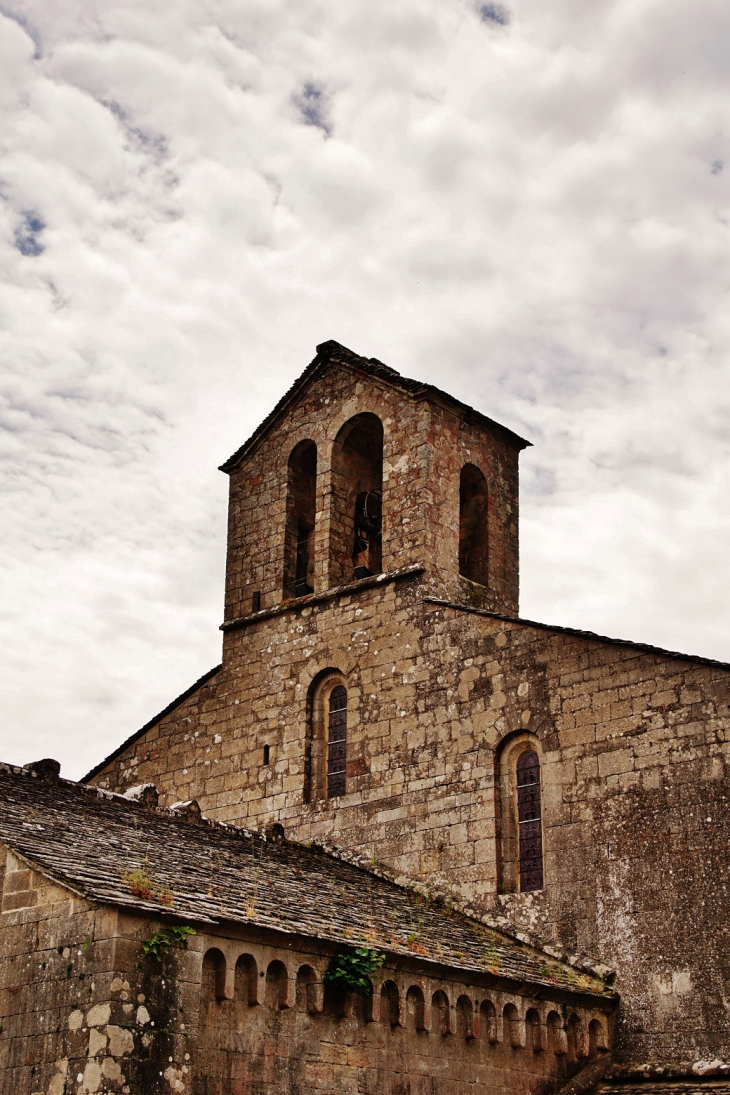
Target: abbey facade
(446, 694)
(379, 696)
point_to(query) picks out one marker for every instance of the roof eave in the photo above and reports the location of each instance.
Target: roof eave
(150, 723)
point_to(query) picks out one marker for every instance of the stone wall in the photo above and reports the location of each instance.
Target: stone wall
(83, 1010)
(80, 1008)
(633, 748)
(270, 1025)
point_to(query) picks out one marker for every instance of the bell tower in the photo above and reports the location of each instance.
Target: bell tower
(358, 472)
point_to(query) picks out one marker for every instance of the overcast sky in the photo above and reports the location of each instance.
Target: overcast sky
(526, 204)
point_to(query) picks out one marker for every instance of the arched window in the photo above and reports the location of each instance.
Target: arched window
(533, 1030)
(529, 820)
(337, 742)
(440, 1013)
(247, 980)
(389, 1003)
(557, 1041)
(325, 751)
(520, 814)
(300, 513)
(308, 990)
(576, 1039)
(514, 1031)
(473, 557)
(355, 549)
(465, 1018)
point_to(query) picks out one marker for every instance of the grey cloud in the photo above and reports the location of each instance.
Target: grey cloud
(154, 144)
(28, 27)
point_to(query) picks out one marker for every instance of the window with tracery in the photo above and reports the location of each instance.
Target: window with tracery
(337, 742)
(529, 820)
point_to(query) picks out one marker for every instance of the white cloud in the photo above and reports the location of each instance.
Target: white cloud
(529, 210)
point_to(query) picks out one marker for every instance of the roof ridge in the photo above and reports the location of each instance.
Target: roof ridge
(151, 722)
(578, 632)
(335, 351)
(123, 798)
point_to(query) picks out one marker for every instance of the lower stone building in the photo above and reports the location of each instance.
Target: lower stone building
(147, 950)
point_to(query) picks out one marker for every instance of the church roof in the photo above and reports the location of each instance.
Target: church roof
(333, 353)
(119, 852)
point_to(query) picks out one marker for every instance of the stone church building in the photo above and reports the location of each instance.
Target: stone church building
(523, 829)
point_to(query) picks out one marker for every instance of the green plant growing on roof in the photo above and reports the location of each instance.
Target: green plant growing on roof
(159, 944)
(350, 970)
(141, 885)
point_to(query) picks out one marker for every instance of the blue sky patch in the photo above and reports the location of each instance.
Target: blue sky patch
(494, 13)
(311, 103)
(27, 234)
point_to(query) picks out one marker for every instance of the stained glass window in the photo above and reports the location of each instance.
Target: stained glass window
(337, 743)
(529, 819)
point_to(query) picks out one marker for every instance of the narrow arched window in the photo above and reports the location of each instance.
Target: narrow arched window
(337, 742)
(300, 516)
(529, 820)
(473, 556)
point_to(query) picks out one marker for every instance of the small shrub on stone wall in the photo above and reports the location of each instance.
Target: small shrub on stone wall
(158, 944)
(350, 970)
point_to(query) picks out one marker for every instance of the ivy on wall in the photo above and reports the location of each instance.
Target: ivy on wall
(350, 970)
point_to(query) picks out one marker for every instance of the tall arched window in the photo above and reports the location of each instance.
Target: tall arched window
(337, 742)
(473, 557)
(529, 820)
(520, 860)
(357, 490)
(300, 513)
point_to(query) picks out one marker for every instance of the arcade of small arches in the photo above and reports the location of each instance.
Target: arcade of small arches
(355, 548)
(260, 976)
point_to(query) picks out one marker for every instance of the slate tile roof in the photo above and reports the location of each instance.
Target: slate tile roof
(92, 842)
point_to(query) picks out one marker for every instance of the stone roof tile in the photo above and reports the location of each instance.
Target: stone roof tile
(118, 852)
